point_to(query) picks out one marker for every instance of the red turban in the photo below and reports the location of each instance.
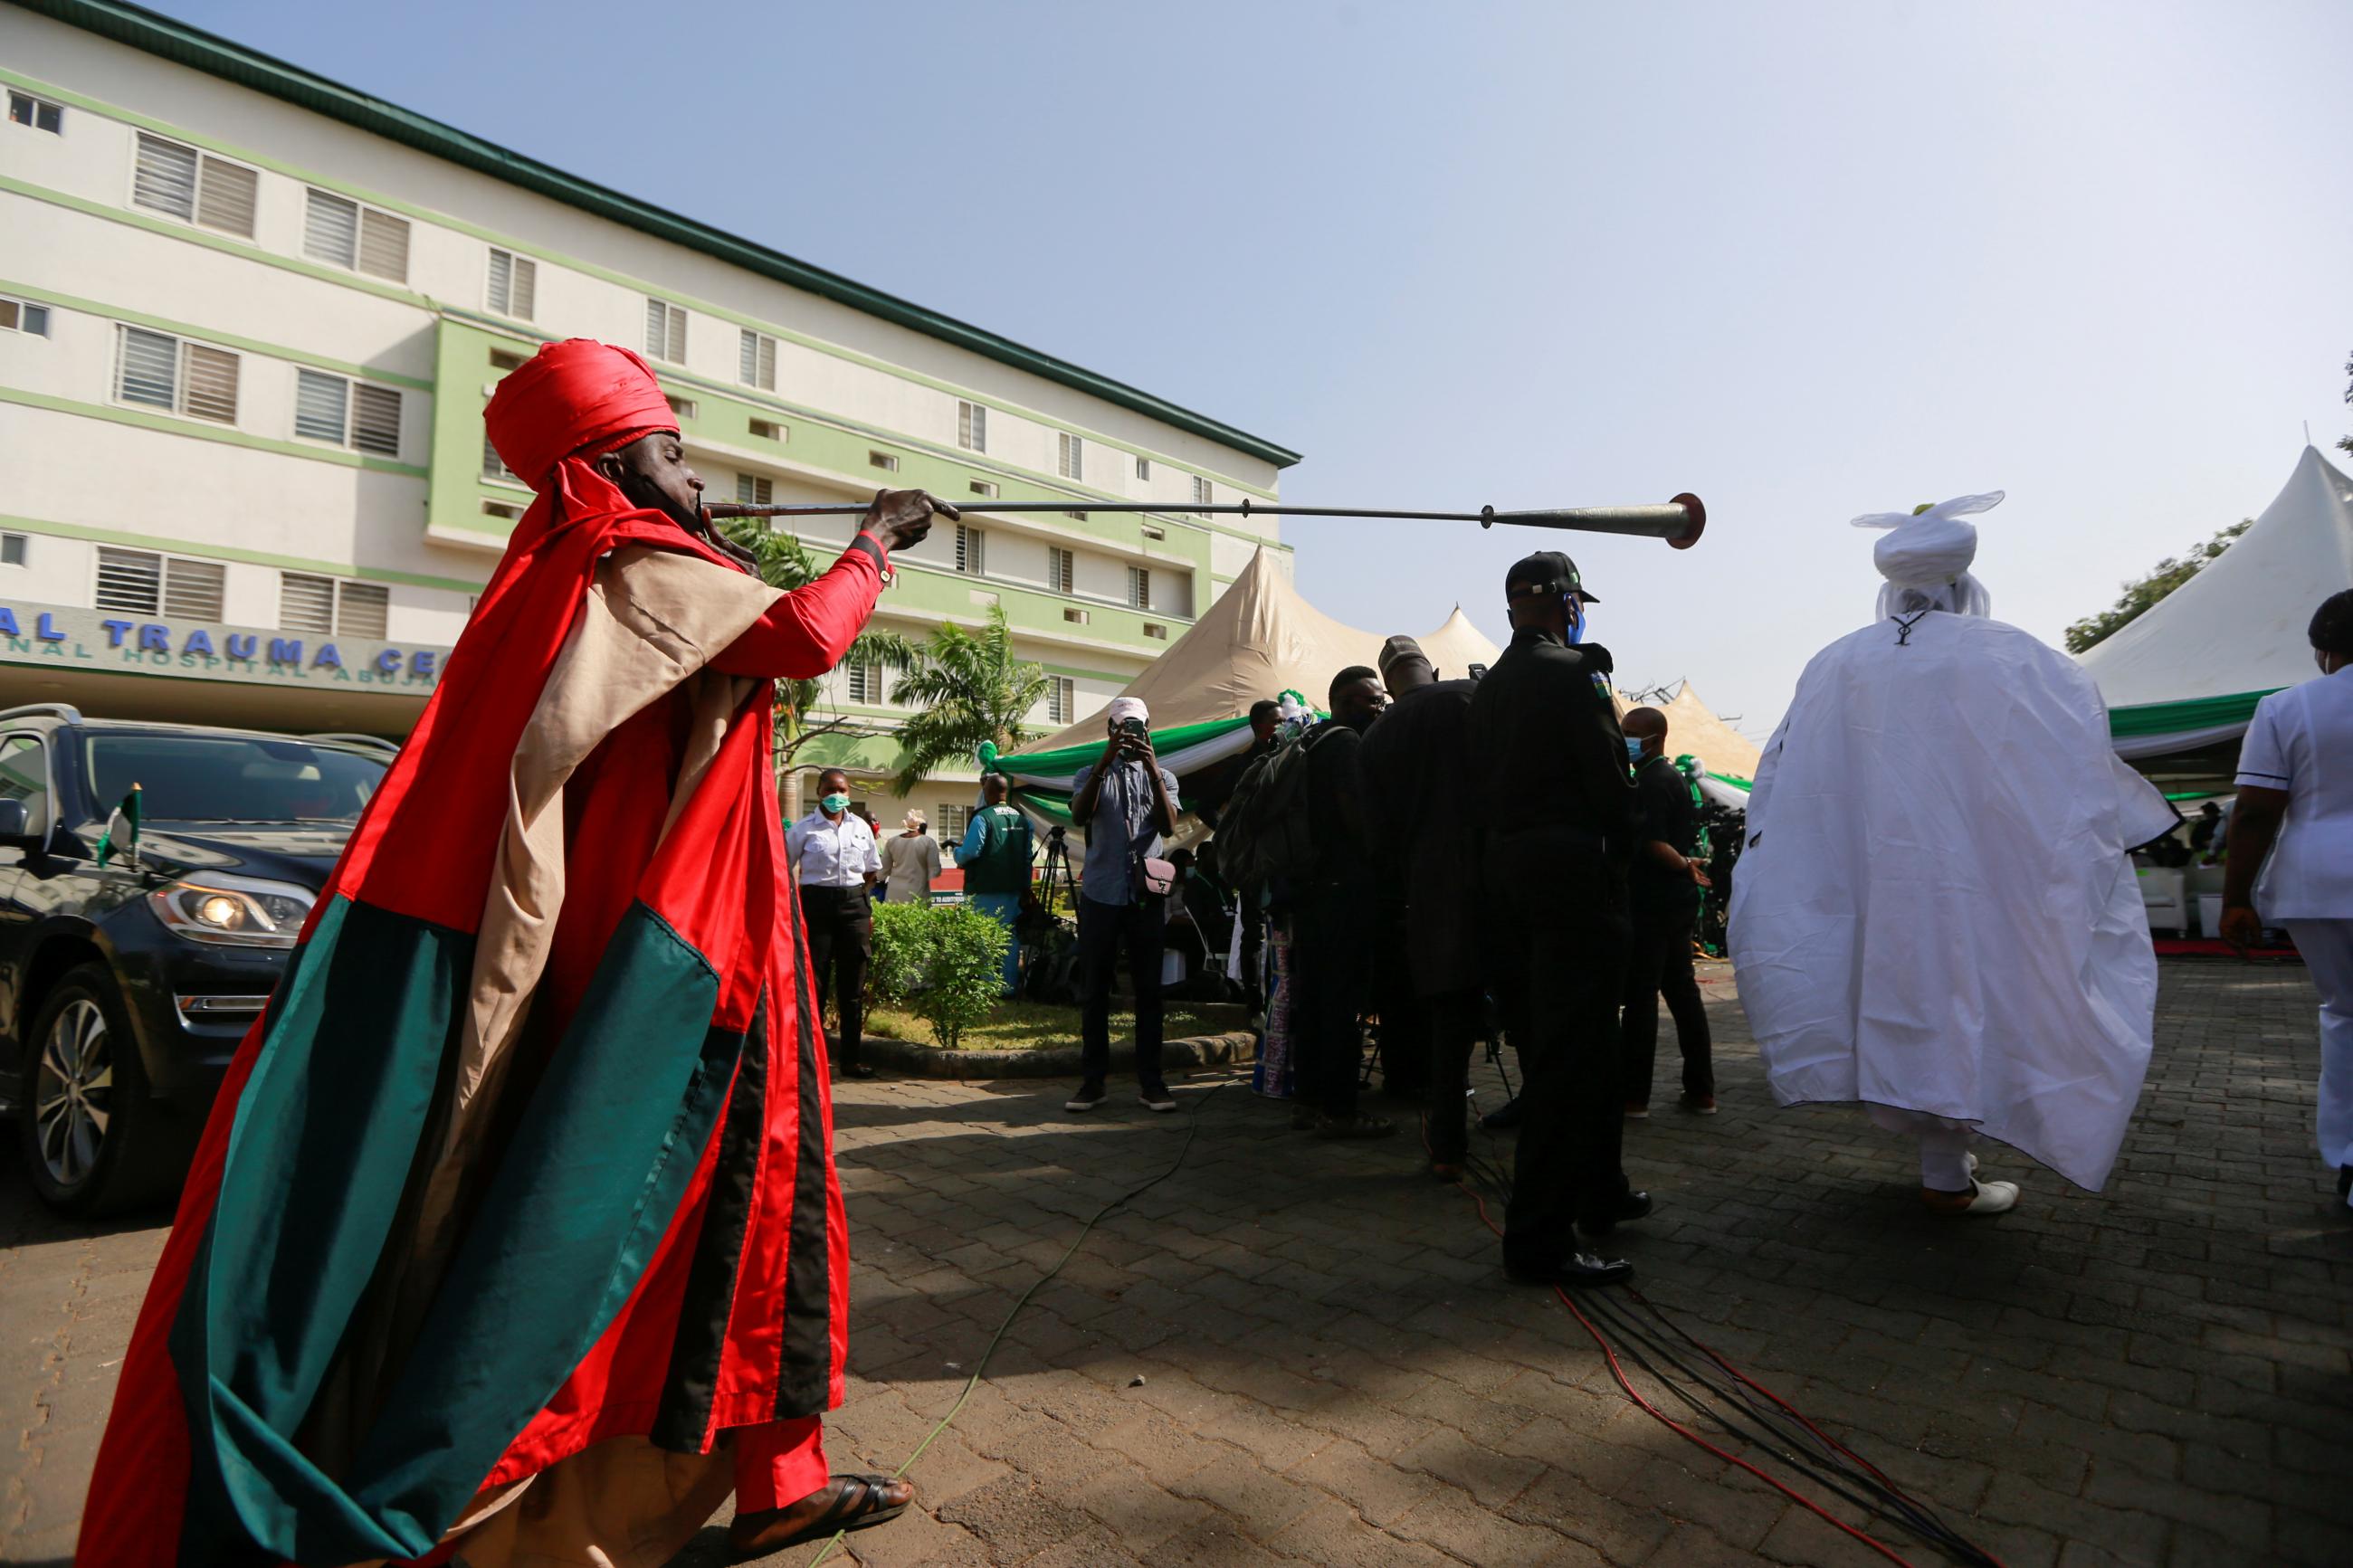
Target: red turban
(573, 393)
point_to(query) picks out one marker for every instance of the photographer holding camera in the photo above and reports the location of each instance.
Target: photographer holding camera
(1124, 803)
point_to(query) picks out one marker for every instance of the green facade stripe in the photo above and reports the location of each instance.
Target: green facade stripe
(171, 424)
(219, 57)
(228, 553)
(209, 335)
(2198, 713)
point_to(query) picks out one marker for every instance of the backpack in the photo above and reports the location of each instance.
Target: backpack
(1264, 837)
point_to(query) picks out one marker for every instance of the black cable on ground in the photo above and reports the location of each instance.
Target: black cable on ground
(996, 1339)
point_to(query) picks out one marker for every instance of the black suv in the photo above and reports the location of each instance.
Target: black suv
(124, 989)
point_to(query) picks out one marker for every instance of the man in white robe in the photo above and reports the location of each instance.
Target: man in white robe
(1936, 912)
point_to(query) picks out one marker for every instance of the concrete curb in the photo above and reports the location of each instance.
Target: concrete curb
(1059, 1061)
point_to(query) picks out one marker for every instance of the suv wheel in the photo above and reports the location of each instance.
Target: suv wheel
(90, 1133)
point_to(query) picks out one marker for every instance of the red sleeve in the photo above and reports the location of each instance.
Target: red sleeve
(806, 632)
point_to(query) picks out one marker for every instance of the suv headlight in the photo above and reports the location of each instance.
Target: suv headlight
(232, 912)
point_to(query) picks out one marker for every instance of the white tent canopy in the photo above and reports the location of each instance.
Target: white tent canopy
(2189, 671)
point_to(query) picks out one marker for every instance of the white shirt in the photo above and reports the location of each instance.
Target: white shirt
(833, 853)
(2301, 741)
(909, 865)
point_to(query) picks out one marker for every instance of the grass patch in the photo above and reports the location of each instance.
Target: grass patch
(1039, 1026)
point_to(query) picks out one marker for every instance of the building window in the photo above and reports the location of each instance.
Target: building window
(195, 186)
(1150, 532)
(507, 359)
(1076, 516)
(972, 427)
(495, 467)
(355, 415)
(1155, 630)
(865, 684)
(12, 549)
(972, 552)
(1060, 569)
(37, 112)
(1076, 617)
(1070, 456)
(1144, 467)
(141, 582)
(665, 330)
(23, 316)
(1201, 491)
(755, 489)
(956, 821)
(514, 284)
(758, 361)
(984, 488)
(767, 430)
(504, 511)
(883, 460)
(332, 606)
(1139, 587)
(162, 372)
(684, 408)
(338, 230)
(1062, 699)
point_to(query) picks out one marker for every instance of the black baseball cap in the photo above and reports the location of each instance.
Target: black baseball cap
(1547, 572)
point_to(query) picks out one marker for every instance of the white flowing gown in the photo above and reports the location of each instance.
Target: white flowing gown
(1935, 909)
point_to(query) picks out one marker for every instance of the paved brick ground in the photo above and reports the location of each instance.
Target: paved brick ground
(1298, 1352)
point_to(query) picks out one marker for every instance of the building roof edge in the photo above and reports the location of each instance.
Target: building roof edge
(185, 44)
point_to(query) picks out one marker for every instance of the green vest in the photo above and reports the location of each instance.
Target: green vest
(1003, 864)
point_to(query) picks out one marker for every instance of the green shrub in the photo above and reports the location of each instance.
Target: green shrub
(941, 962)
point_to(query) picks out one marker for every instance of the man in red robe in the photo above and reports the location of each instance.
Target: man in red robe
(515, 1232)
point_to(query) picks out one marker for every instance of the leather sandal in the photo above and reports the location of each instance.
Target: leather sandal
(860, 1502)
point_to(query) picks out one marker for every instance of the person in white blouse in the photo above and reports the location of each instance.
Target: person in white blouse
(833, 855)
(910, 862)
(2294, 822)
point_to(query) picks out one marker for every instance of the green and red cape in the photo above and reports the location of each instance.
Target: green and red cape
(522, 1191)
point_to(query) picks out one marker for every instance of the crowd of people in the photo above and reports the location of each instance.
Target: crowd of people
(515, 1232)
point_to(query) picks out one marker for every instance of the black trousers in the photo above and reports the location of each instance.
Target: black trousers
(1253, 953)
(1560, 966)
(840, 940)
(1453, 1020)
(1659, 963)
(1404, 1021)
(1331, 933)
(1105, 929)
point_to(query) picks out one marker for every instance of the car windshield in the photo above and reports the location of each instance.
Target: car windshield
(231, 778)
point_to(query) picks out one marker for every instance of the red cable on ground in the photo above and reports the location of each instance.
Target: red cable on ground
(1684, 1432)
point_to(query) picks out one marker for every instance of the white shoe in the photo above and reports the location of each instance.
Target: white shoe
(1988, 1197)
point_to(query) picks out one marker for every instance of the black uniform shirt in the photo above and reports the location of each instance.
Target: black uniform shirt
(1335, 804)
(1665, 810)
(1545, 746)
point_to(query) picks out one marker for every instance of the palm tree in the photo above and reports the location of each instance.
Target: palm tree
(967, 687)
(784, 561)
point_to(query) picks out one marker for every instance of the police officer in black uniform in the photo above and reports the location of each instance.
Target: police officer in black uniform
(1559, 817)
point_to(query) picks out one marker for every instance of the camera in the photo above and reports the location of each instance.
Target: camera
(1131, 727)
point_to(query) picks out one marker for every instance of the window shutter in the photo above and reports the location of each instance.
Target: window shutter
(757, 360)
(754, 489)
(513, 284)
(665, 331)
(331, 228)
(657, 315)
(384, 246)
(1139, 587)
(972, 552)
(375, 420)
(149, 369)
(306, 604)
(1201, 491)
(130, 581)
(321, 405)
(212, 385)
(225, 197)
(1060, 562)
(527, 288)
(193, 588)
(1073, 458)
(361, 609)
(495, 467)
(166, 177)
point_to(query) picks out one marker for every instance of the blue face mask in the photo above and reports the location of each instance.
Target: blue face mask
(1633, 750)
(833, 804)
(1575, 606)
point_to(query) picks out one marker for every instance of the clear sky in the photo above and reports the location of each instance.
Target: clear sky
(1807, 261)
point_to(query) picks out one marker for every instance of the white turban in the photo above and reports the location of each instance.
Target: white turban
(1925, 559)
(1127, 708)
